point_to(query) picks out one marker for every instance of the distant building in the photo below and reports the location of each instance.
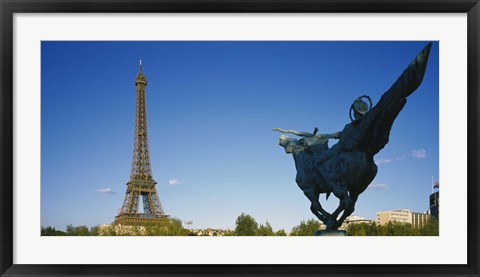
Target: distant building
(402, 216)
(419, 219)
(210, 232)
(353, 219)
(121, 230)
(434, 204)
(399, 215)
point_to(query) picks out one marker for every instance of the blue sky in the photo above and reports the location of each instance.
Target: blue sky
(211, 107)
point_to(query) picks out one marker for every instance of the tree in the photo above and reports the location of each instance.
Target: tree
(431, 228)
(229, 233)
(245, 225)
(169, 227)
(108, 230)
(358, 229)
(265, 230)
(306, 228)
(280, 232)
(400, 229)
(50, 231)
(77, 231)
(393, 229)
(176, 228)
(95, 230)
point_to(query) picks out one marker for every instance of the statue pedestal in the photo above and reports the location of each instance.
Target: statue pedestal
(333, 233)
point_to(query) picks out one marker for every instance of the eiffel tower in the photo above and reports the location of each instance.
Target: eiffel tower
(141, 184)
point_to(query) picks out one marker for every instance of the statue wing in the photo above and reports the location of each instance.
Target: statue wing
(370, 133)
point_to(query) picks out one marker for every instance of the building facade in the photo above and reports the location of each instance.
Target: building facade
(353, 219)
(434, 204)
(399, 215)
(402, 216)
(419, 219)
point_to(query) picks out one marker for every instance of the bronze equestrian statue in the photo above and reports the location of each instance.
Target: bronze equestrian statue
(347, 168)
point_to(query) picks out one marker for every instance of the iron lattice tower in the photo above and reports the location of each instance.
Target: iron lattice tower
(141, 184)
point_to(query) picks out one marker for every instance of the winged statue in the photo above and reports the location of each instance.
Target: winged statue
(347, 168)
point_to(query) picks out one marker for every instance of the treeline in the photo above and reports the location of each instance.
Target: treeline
(431, 228)
(170, 227)
(50, 231)
(71, 231)
(246, 225)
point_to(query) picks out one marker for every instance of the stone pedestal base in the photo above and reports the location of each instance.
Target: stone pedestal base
(335, 233)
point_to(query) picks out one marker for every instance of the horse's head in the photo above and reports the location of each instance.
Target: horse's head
(290, 145)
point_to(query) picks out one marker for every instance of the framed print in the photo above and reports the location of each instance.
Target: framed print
(269, 138)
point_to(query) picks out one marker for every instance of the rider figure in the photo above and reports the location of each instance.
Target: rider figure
(310, 142)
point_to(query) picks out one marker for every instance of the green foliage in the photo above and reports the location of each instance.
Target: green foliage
(245, 225)
(108, 230)
(393, 229)
(77, 231)
(130, 230)
(50, 231)
(95, 230)
(229, 233)
(365, 229)
(170, 227)
(431, 228)
(400, 229)
(265, 230)
(306, 228)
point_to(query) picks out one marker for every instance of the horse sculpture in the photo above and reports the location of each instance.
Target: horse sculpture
(347, 168)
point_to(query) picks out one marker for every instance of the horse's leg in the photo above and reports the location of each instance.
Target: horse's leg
(345, 202)
(315, 206)
(339, 191)
(348, 209)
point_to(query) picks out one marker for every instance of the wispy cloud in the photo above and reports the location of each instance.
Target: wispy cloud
(174, 182)
(106, 191)
(377, 186)
(419, 153)
(382, 161)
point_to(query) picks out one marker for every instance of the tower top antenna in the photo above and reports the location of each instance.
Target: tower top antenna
(140, 65)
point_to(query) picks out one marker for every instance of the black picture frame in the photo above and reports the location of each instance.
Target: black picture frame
(10, 7)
